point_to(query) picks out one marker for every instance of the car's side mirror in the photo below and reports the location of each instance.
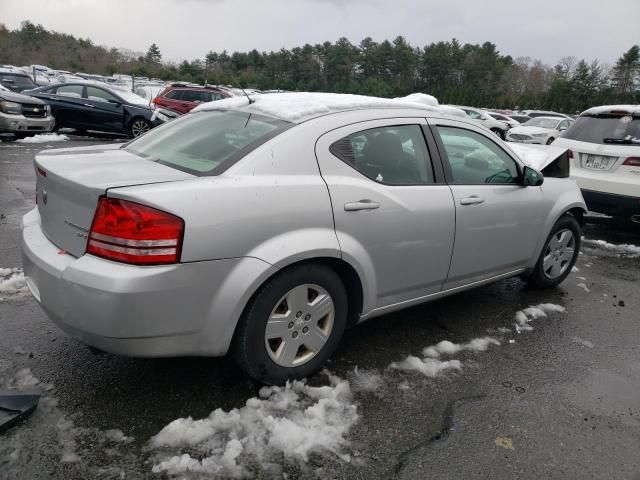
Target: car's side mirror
(562, 129)
(531, 177)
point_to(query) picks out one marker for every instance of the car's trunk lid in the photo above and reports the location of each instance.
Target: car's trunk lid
(70, 181)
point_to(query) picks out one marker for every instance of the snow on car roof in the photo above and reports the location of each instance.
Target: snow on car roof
(631, 109)
(300, 106)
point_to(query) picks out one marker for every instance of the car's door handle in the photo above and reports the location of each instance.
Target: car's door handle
(472, 200)
(364, 204)
(89, 105)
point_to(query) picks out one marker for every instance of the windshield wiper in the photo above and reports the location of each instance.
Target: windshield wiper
(622, 141)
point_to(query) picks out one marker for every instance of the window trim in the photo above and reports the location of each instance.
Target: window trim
(436, 168)
(447, 165)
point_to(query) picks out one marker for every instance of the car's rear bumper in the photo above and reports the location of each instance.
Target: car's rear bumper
(25, 125)
(611, 204)
(156, 311)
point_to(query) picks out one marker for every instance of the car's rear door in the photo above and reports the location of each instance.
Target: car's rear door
(498, 219)
(106, 112)
(393, 211)
(192, 98)
(172, 100)
(67, 106)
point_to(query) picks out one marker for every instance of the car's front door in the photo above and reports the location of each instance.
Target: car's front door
(393, 211)
(498, 220)
(106, 112)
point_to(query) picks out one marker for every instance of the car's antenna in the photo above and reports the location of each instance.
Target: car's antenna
(248, 97)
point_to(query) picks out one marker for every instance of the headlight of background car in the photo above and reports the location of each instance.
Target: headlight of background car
(539, 135)
(10, 107)
(48, 108)
(161, 116)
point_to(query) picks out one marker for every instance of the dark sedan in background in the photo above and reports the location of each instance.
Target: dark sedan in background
(88, 106)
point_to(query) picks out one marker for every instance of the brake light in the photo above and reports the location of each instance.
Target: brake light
(129, 232)
(570, 152)
(632, 162)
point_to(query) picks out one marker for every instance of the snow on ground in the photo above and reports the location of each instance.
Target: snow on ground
(44, 138)
(446, 347)
(288, 422)
(362, 380)
(584, 287)
(524, 317)
(429, 367)
(12, 283)
(624, 248)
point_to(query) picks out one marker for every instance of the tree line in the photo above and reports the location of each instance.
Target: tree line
(463, 74)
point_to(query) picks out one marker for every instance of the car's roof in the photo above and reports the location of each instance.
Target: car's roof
(558, 119)
(617, 109)
(12, 71)
(302, 106)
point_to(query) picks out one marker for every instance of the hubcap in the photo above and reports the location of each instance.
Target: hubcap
(139, 127)
(299, 325)
(558, 253)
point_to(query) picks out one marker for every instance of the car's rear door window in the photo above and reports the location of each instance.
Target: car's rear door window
(74, 91)
(393, 155)
(174, 94)
(474, 159)
(207, 143)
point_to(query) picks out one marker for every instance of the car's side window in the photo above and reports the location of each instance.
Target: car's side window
(99, 95)
(475, 159)
(472, 114)
(70, 91)
(393, 155)
(191, 96)
(174, 94)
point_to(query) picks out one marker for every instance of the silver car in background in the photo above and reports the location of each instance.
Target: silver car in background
(266, 227)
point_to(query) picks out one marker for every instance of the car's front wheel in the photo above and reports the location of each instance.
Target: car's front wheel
(558, 255)
(138, 126)
(292, 325)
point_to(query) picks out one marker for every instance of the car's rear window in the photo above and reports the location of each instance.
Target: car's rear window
(606, 129)
(17, 80)
(206, 143)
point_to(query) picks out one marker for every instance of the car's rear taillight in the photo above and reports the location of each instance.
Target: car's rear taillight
(632, 162)
(129, 232)
(570, 152)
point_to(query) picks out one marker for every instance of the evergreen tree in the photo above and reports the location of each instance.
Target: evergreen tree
(153, 54)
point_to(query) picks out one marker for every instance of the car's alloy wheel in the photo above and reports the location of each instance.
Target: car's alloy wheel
(558, 256)
(558, 253)
(292, 324)
(299, 326)
(138, 127)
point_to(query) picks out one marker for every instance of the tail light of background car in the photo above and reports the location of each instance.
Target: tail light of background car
(130, 232)
(632, 162)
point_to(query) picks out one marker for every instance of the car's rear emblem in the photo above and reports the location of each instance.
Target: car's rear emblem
(44, 196)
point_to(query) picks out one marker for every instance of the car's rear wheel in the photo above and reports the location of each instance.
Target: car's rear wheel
(292, 325)
(558, 255)
(138, 126)
(550, 141)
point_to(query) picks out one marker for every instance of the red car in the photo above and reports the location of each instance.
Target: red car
(183, 99)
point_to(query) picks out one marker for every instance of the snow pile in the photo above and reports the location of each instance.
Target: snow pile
(44, 138)
(524, 317)
(429, 367)
(298, 106)
(291, 421)
(365, 380)
(446, 347)
(12, 282)
(626, 248)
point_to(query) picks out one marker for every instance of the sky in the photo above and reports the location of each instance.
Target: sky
(188, 29)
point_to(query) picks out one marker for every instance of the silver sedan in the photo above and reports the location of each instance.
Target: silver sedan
(265, 228)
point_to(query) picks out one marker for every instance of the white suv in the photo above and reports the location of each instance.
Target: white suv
(605, 146)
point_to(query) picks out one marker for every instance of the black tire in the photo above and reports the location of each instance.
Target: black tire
(134, 130)
(538, 278)
(498, 132)
(550, 141)
(249, 348)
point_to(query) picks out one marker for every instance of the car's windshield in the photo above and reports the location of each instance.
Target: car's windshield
(21, 81)
(606, 129)
(205, 143)
(542, 122)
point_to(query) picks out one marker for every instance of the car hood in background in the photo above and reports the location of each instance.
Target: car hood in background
(532, 130)
(19, 98)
